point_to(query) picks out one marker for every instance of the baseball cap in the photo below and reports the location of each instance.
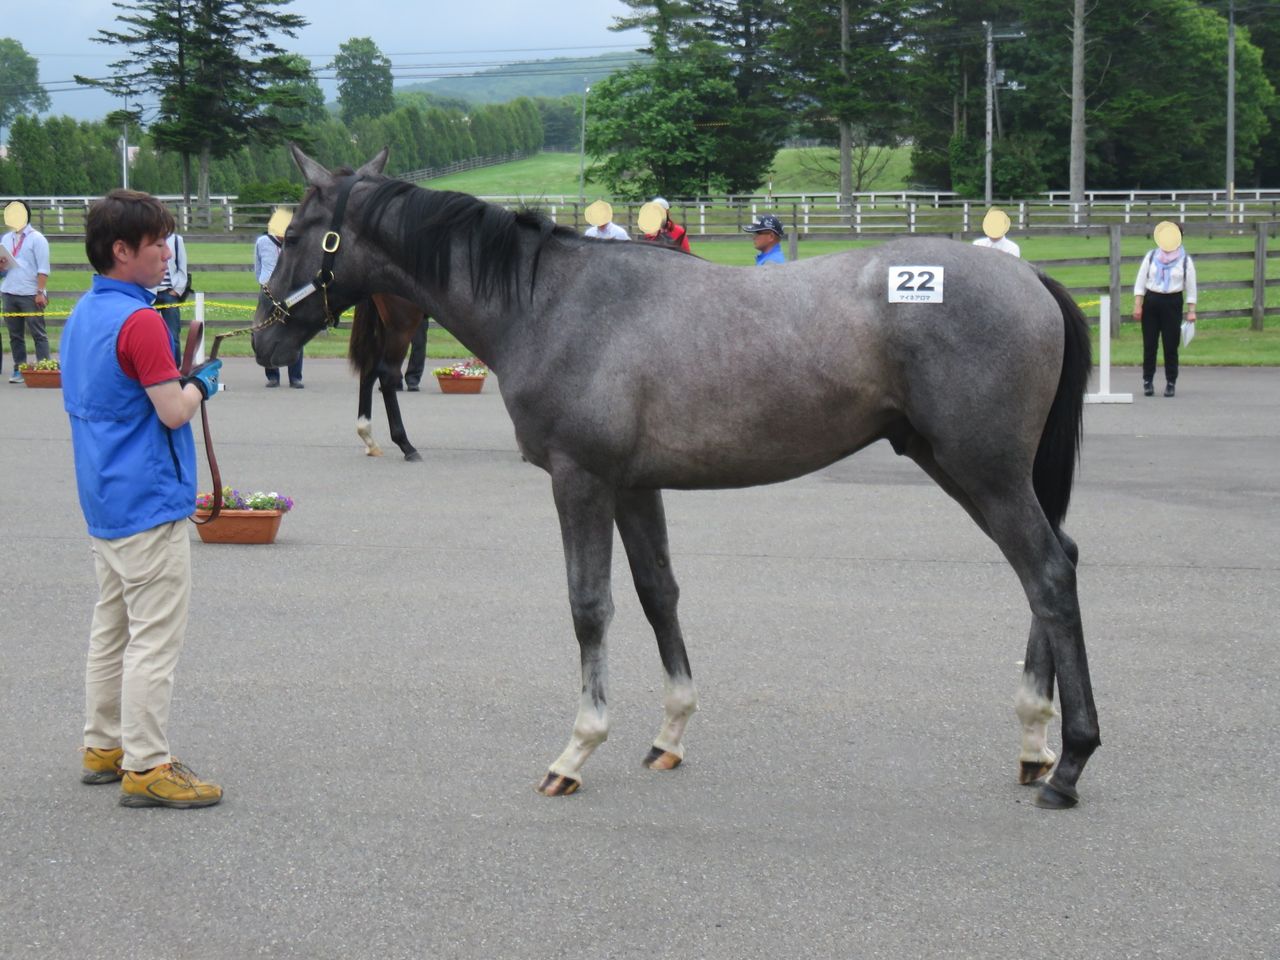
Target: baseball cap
(766, 222)
(661, 201)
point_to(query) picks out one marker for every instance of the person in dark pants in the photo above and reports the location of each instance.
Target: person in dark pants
(1166, 279)
(417, 364)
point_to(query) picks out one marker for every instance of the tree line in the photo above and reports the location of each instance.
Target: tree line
(730, 80)
(1122, 94)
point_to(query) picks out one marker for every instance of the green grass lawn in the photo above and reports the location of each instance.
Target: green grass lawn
(556, 175)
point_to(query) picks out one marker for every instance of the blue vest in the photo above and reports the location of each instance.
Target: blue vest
(133, 473)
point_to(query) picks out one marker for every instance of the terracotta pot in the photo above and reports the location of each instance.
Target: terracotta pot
(240, 526)
(43, 379)
(461, 384)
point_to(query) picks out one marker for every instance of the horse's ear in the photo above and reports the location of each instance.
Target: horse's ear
(312, 172)
(375, 165)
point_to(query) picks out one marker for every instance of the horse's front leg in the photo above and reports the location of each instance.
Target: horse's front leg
(364, 413)
(642, 524)
(586, 508)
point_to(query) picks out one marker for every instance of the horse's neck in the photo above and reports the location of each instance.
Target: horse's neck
(485, 325)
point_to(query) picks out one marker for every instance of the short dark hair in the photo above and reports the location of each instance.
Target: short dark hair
(129, 215)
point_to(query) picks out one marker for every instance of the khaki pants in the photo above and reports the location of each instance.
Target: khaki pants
(139, 623)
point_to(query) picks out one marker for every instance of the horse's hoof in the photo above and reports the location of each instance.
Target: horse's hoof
(1029, 771)
(414, 457)
(1053, 797)
(557, 785)
(373, 452)
(659, 759)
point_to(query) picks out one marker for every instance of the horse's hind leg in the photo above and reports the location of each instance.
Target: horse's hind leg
(1055, 647)
(586, 508)
(390, 381)
(1034, 701)
(643, 527)
(364, 413)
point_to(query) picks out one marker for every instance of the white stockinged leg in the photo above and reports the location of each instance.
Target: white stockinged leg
(590, 729)
(1035, 711)
(365, 430)
(678, 705)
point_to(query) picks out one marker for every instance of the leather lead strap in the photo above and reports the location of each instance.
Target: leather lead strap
(194, 334)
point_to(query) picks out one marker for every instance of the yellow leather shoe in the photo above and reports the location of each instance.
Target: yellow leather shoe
(168, 785)
(102, 766)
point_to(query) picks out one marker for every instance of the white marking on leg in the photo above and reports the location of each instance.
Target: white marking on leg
(590, 729)
(679, 703)
(1035, 711)
(365, 430)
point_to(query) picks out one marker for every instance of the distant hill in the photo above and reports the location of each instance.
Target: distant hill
(529, 78)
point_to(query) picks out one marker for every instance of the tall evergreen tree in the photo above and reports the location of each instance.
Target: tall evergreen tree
(856, 93)
(215, 69)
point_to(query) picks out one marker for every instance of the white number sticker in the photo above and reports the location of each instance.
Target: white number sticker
(915, 284)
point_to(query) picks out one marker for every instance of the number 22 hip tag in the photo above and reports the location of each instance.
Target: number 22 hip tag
(915, 284)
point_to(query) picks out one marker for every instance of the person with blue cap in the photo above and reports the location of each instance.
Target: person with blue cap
(767, 235)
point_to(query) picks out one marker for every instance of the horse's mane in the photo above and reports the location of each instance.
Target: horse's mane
(430, 221)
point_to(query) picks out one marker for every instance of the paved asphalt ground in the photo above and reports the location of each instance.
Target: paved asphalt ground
(380, 690)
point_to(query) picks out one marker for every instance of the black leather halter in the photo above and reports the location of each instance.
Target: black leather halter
(329, 245)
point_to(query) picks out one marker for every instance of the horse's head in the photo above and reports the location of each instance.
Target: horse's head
(322, 266)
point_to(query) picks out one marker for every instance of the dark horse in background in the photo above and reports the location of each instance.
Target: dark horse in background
(381, 331)
(626, 368)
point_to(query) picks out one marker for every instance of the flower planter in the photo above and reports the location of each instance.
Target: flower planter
(461, 384)
(240, 526)
(43, 379)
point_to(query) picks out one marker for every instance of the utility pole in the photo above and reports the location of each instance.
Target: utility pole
(991, 92)
(992, 37)
(1076, 168)
(1231, 105)
(846, 128)
(582, 145)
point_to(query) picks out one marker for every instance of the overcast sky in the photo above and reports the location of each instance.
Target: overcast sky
(424, 36)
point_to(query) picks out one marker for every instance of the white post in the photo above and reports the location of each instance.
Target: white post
(1104, 394)
(199, 357)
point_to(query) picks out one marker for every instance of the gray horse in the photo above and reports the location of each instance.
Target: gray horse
(627, 368)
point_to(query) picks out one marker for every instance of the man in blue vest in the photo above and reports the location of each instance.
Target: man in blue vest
(135, 465)
(767, 234)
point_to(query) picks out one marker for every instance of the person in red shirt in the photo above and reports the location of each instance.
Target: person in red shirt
(670, 233)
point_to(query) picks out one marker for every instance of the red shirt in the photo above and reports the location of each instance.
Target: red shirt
(144, 349)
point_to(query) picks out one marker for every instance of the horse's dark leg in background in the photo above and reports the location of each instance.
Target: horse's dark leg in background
(642, 524)
(389, 379)
(378, 345)
(586, 507)
(364, 414)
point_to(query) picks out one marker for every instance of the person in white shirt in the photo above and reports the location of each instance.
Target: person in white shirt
(1166, 280)
(600, 216)
(171, 291)
(996, 227)
(24, 292)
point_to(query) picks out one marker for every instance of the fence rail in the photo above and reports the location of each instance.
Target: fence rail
(808, 214)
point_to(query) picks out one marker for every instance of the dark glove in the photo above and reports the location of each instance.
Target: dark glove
(205, 377)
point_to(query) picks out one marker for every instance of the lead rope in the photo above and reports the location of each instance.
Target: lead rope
(195, 334)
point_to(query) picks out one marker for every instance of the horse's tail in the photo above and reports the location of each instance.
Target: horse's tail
(365, 348)
(1055, 463)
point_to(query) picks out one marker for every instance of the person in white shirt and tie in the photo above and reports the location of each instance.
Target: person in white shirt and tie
(996, 227)
(24, 292)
